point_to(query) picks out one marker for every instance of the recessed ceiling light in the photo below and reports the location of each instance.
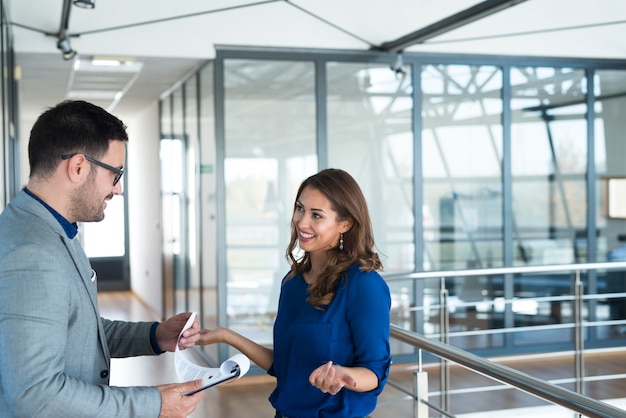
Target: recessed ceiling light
(105, 62)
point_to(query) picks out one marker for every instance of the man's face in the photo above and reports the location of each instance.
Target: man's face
(90, 199)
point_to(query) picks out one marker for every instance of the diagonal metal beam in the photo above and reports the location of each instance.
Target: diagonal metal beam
(476, 12)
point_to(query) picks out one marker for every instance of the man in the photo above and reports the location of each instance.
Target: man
(55, 349)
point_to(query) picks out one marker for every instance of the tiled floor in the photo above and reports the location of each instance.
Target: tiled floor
(247, 397)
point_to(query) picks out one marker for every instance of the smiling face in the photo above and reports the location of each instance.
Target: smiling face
(89, 200)
(316, 223)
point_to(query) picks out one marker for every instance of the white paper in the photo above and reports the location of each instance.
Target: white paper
(187, 369)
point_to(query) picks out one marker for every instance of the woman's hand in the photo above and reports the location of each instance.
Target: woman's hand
(331, 378)
(210, 336)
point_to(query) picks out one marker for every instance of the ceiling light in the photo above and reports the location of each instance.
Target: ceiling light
(66, 49)
(105, 63)
(85, 4)
(398, 67)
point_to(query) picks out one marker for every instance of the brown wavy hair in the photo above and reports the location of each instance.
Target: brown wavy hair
(347, 200)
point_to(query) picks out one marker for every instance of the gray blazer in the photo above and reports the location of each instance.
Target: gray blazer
(55, 349)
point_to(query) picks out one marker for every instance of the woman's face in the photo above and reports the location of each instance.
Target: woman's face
(316, 222)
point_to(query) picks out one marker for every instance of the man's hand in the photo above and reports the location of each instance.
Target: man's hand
(174, 404)
(331, 378)
(167, 332)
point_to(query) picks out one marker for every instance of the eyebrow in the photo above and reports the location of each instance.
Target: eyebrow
(313, 209)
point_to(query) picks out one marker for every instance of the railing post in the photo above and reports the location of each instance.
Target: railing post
(579, 334)
(420, 389)
(420, 386)
(444, 326)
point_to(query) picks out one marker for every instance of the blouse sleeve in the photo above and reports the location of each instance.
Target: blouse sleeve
(369, 303)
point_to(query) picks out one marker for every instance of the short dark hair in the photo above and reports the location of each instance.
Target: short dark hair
(71, 126)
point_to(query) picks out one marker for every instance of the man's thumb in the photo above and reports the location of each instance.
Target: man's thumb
(192, 386)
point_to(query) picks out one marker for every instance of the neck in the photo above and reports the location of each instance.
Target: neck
(52, 194)
(318, 265)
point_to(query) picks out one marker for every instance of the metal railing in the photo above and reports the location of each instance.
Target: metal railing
(573, 400)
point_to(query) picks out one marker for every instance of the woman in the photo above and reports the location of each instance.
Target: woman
(331, 352)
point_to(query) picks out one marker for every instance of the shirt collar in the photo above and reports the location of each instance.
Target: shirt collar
(71, 229)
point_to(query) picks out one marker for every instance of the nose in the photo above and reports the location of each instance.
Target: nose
(298, 220)
(118, 189)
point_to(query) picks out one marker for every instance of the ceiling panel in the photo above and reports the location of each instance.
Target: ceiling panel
(170, 38)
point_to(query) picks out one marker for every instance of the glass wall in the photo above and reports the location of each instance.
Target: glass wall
(269, 148)
(502, 163)
(370, 135)
(549, 162)
(610, 164)
(462, 182)
(10, 150)
(207, 256)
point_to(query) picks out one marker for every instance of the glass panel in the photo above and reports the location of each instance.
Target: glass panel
(106, 238)
(207, 191)
(167, 208)
(270, 147)
(192, 191)
(370, 136)
(462, 153)
(544, 299)
(4, 173)
(610, 108)
(179, 194)
(173, 195)
(549, 154)
(549, 160)
(171, 153)
(461, 162)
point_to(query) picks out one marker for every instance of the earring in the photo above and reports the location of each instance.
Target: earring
(341, 241)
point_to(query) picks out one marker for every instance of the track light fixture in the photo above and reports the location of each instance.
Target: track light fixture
(85, 4)
(66, 49)
(398, 67)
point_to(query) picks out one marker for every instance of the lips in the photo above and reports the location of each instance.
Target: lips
(304, 237)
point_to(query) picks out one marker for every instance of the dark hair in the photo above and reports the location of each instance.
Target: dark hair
(71, 126)
(347, 200)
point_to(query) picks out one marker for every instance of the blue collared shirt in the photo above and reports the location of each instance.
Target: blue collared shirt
(71, 229)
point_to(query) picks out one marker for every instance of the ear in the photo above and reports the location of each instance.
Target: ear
(77, 168)
(345, 226)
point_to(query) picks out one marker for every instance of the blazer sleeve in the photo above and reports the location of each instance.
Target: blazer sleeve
(44, 315)
(128, 339)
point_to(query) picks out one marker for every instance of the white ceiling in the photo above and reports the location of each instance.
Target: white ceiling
(167, 39)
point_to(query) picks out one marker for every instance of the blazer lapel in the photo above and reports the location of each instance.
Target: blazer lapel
(89, 279)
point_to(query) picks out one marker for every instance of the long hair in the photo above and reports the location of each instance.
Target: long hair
(347, 200)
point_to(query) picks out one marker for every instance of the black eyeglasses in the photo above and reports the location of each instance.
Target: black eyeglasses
(118, 171)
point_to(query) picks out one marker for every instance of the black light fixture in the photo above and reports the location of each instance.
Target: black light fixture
(63, 39)
(66, 49)
(85, 4)
(398, 67)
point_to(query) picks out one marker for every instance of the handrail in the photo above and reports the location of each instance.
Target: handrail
(537, 387)
(611, 265)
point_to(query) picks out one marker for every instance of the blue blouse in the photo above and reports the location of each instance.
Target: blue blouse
(352, 331)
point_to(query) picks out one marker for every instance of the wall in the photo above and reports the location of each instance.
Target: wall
(144, 217)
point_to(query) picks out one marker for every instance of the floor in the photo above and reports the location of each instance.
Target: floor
(238, 398)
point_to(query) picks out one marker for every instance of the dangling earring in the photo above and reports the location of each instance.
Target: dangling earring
(341, 241)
